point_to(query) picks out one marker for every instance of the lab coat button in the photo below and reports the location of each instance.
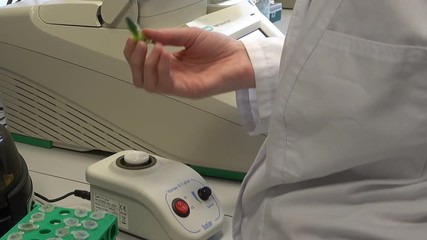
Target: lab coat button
(180, 207)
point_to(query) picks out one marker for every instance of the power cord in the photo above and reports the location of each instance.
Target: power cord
(11, 1)
(78, 193)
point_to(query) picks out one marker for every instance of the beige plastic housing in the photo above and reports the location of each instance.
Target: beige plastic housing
(71, 84)
(142, 199)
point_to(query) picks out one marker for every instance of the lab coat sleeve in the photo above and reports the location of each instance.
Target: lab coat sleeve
(255, 104)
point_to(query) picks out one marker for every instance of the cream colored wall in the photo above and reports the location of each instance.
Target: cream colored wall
(287, 3)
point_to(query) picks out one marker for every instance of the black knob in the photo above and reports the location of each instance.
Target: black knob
(204, 193)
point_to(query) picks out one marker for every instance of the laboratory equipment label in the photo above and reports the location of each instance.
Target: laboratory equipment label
(117, 208)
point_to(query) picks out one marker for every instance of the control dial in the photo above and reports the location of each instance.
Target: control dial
(204, 193)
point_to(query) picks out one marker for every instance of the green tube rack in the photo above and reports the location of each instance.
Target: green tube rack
(49, 222)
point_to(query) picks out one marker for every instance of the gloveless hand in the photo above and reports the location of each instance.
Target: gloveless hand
(210, 63)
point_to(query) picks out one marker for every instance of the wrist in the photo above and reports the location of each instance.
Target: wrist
(246, 75)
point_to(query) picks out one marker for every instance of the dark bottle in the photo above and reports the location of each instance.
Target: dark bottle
(16, 189)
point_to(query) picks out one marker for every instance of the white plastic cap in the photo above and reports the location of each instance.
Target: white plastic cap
(136, 158)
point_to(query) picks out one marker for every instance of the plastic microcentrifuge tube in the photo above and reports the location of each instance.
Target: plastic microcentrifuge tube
(80, 235)
(38, 217)
(27, 226)
(71, 222)
(98, 215)
(15, 236)
(80, 212)
(47, 208)
(89, 224)
(62, 232)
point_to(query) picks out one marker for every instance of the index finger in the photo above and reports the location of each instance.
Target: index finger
(181, 36)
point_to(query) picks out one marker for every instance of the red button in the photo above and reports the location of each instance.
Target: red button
(180, 207)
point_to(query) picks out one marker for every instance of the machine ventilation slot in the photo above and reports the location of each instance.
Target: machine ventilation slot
(92, 139)
(74, 136)
(34, 111)
(22, 129)
(87, 116)
(14, 117)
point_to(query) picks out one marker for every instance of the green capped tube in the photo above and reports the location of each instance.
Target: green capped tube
(136, 31)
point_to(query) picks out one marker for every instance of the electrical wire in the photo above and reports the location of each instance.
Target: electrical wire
(11, 1)
(78, 193)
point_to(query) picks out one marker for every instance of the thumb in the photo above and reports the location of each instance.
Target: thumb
(181, 36)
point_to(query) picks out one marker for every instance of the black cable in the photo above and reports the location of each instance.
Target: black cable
(10, 1)
(78, 193)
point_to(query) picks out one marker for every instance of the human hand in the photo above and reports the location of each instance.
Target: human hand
(210, 63)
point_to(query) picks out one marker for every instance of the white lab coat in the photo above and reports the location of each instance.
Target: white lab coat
(345, 155)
